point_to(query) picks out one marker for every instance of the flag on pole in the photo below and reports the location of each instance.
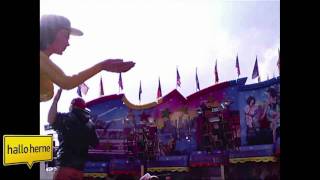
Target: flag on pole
(178, 78)
(101, 87)
(197, 80)
(82, 89)
(140, 92)
(278, 63)
(216, 73)
(79, 91)
(255, 72)
(238, 66)
(159, 93)
(120, 82)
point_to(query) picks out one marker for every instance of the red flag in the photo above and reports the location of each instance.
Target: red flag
(255, 72)
(178, 78)
(238, 66)
(120, 82)
(159, 93)
(197, 80)
(140, 92)
(216, 73)
(101, 87)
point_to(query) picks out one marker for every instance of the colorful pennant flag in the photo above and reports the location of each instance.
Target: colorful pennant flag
(238, 66)
(79, 91)
(255, 72)
(278, 63)
(216, 73)
(140, 92)
(120, 82)
(197, 80)
(101, 87)
(82, 89)
(178, 78)
(159, 93)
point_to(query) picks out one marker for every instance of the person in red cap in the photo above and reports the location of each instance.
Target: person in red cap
(78, 103)
(54, 39)
(76, 133)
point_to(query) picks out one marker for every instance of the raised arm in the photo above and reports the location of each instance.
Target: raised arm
(68, 82)
(53, 109)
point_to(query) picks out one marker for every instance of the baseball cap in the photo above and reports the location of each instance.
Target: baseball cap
(79, 103)
(58, 22)
(75, 32)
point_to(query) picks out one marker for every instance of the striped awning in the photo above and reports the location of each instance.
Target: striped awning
(253, 159)
(96, 175)
(171, 169)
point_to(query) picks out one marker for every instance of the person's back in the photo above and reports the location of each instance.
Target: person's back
(75, 133)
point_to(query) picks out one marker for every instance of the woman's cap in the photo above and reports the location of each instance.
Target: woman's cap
(59, 22)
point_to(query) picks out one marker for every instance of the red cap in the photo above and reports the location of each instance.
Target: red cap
(79, 103)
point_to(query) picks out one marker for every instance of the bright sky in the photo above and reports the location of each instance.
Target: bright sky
(160, 35)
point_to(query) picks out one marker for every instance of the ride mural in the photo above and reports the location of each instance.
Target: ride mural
(175, 125)
(229, 122)
(259, 106)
